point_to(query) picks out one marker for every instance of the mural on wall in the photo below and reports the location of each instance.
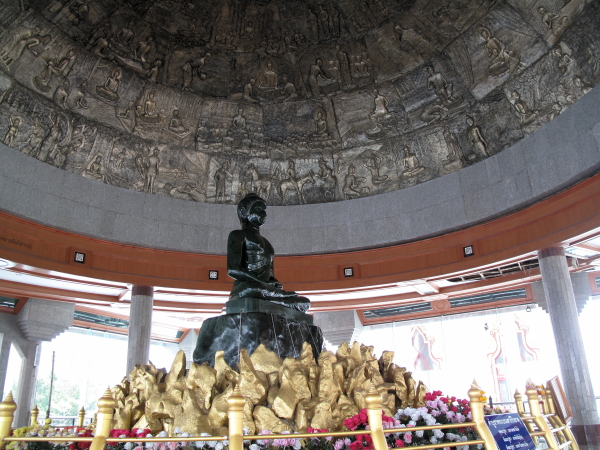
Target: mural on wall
(302, 102)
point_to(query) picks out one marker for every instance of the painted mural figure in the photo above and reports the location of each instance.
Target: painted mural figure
(250, 259)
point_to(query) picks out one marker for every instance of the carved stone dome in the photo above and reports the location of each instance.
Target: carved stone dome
(299, 101)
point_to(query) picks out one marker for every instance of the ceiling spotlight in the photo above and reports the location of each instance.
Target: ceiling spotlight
(528, 309)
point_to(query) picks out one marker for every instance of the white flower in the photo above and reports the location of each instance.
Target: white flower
(185, 434)
(419, 433)
(297, 444)
(451, 436)
(430, 421)
(177, 430)
(464, 438)
(149, 444)
(438, 434)
(128, 445)
(433, 440)
(254, 447)
(162, 434)
(479, 446)
(219, 446)
(412, 423)
(246, 430)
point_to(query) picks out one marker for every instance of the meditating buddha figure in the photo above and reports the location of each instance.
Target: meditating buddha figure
(250, 259)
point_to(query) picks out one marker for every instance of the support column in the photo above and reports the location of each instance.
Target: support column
(39, 320)
(140, 326)
(339, 326)
(4, 355)
(562, 308)
(27, 381)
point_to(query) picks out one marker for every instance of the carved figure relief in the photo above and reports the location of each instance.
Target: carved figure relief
(59, 68)
(13, 130)
(479, 146)
(30, 39)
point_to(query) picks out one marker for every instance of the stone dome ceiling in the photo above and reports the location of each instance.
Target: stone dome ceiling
(300, 101)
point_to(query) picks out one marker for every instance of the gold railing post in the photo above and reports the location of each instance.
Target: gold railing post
(557, 422)
(106, 410)
(7, 414)
(374, 413)
(519, 403)
(521, 411)
(477, 401)
(235, 412)
(81, 418)
(538, 418)
(35, 412)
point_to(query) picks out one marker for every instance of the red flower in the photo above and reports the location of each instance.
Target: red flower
(356, 445)
(399, 443)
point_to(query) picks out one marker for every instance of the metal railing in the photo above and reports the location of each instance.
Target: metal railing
(236, 438)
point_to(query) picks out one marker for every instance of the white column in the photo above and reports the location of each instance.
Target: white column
(27, 380)
(4, 355)
(140, 326)
(562, 308)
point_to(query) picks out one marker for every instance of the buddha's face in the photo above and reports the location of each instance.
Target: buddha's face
(257, 214)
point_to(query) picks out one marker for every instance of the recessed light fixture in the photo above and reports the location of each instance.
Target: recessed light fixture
(528, 309)
(79, 257)
(468, 251)
(213, 274)
(348, 272)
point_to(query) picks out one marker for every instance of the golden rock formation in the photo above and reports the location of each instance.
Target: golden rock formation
(288, 395)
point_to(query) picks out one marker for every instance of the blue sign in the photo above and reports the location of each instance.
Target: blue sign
(509, 432)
